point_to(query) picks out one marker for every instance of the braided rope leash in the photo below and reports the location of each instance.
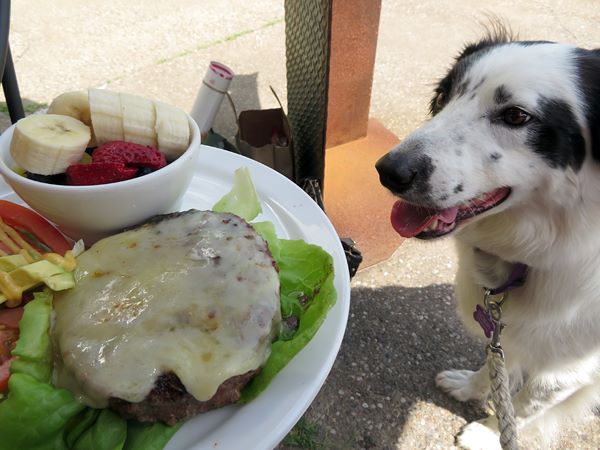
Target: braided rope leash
(499, 381)
(489, 317)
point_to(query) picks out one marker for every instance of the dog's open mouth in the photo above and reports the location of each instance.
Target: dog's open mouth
(410, 220)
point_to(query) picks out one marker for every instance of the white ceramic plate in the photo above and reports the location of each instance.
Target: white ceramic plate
(265, 421)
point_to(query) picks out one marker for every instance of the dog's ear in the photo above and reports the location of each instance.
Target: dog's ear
(495, 32)
(588, 73)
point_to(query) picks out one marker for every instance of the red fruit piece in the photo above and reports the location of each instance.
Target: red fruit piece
(98, 173)
(129, 154)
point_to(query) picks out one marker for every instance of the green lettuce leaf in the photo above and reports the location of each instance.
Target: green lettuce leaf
(242, 199)
(107, 433)
(76, 427)
(307, 292)
(34, 414)
(33, 347)
(149, 436)
(267, 232)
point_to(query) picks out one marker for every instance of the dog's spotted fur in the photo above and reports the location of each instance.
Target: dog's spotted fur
(550, 221)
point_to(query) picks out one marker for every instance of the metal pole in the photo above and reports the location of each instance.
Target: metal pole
(307, 43)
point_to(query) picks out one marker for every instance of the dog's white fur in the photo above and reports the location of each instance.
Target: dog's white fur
(551, 222)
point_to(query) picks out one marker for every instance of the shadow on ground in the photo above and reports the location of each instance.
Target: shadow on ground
(244, 94)
(397, 339)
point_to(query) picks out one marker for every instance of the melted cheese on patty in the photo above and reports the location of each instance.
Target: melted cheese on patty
(196, 294)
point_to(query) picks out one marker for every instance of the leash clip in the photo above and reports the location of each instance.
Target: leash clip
(494, 309)
(492, 306)
(490, 314)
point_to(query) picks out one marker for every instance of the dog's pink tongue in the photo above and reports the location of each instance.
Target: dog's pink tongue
(409, 220)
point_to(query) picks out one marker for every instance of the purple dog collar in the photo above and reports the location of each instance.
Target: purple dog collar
(482, 314)
(516, 279)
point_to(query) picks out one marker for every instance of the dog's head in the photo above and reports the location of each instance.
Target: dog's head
(514, 125)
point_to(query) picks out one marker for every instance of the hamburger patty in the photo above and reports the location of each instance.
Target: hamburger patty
(169, 402)
(168, 319)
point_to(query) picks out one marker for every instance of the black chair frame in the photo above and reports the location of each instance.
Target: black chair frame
(7, 68)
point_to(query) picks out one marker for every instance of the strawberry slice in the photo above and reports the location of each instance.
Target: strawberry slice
(129, 154)
(98, 173)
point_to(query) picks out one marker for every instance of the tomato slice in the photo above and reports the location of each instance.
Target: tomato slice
(10, 317)
(29, 222)
(4, 375)
(8, 340)
(9, 333)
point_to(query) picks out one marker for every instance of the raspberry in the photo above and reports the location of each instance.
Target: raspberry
(98, 173)
(129, 154)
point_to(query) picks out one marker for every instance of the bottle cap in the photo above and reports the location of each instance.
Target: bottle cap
(218, 76)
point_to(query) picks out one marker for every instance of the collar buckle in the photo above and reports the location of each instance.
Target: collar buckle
(489, 315)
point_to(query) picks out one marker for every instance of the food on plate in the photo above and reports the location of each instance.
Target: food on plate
(172, 130)
(23, 277)
(139, 119)
(188, 308)
(48, 143)
(40, 233)
(106, 114)
(98, 118)
(74, 104)
(118, 117)
(130, 154)
(33, 253)
(27, 243)
(99, 173)
(9, 333)
(280, 325)
(115, 161)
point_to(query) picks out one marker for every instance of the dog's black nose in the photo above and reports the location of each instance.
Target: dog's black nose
(397, 171)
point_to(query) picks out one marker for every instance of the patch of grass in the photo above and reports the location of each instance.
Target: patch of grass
(234, 36)
(303, 436)
(28, 106)
(230, 38)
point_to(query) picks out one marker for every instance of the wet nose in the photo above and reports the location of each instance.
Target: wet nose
(399, 171)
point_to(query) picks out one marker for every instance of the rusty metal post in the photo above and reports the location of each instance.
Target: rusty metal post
(354, 30)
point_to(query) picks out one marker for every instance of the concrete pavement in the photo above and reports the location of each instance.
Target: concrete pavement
(402, 329)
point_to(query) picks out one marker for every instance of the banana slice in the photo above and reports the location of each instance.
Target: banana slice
(106, 114)
(74, 104)
(172, 129)
(138, 120)
(47, 144)
(118, 117)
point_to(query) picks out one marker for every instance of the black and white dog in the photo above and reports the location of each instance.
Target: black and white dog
(510, 164)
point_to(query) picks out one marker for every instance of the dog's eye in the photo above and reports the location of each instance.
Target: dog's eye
(440, 98)
(515, 116)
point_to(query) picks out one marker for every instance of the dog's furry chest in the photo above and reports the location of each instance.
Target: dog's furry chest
(549, 321)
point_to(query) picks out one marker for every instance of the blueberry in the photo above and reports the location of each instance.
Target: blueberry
(50, 179)
(144, 171)
(90, 150)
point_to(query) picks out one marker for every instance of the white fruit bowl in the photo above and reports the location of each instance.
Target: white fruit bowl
(92, 212)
